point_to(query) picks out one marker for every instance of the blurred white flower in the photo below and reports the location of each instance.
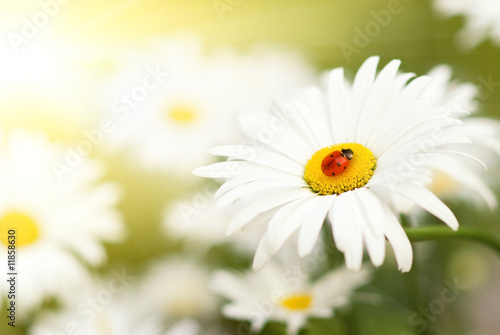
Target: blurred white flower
(111, 308)
(184, 327)
(201, 225)
(466, 179)
(178, 288)
(482, 19)
(460, 176)
(377, 130)
(285, 293)
(54, 221)
(174, 101)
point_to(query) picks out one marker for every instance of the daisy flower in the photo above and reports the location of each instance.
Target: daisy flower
(107, 307)
(341, 155)
(285, 294)
(193, 104)
(184, 289)
(482, 19)
(53, 221)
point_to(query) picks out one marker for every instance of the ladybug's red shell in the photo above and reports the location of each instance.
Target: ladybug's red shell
(335, 163)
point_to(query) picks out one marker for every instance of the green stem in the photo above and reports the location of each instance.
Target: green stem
(445, 233)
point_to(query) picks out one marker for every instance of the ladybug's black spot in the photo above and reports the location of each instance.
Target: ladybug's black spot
(333, 173)
(331, 155)
(338, 164)
(345, 167)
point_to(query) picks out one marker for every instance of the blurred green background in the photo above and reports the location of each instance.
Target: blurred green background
(416, 34)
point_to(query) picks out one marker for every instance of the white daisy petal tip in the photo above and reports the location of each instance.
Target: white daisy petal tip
(230, 230)
(218, 151)
(258, 265)
(200, 172)
(405, 268)
(215, 171)
(372, 60)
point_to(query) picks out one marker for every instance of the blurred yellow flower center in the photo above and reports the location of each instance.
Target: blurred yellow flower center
(103, 325)
(442, 183)
(182, 114)
(26, 230)
(356, 174)
(297, 302)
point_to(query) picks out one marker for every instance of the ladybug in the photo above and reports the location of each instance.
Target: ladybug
(336, 162)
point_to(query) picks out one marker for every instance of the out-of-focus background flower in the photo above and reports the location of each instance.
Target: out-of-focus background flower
(115, 102)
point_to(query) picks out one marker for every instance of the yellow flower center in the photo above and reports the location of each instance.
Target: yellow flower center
(357, 173)
(25, 228)
(297, 302)
(103, 325)
(442, 183)
(182, 114)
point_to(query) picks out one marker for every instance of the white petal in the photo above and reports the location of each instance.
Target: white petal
(228, 285)
(276, 133)
(237, 182)
(263, 204)
(242, 312)
(335, 287)
(413, 137)
(428, 201)
(414, 88)
(320, 115)
(374, 244)
(339, 221)
(461, 153)
(184, 327)
(314, 219)
(231, 169)
(376, 101)
(263, 186)
(262, 218)
(346, 230)
(354, 250)
(299, 124)
(375, 213)
(278, 220)
(262, 254)
(259, 156)
(361, 87)
(221, 170)
(291, 223)
(399, 241)
(473, 182)
(294, 323)
(338, 101)
(88, 248)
